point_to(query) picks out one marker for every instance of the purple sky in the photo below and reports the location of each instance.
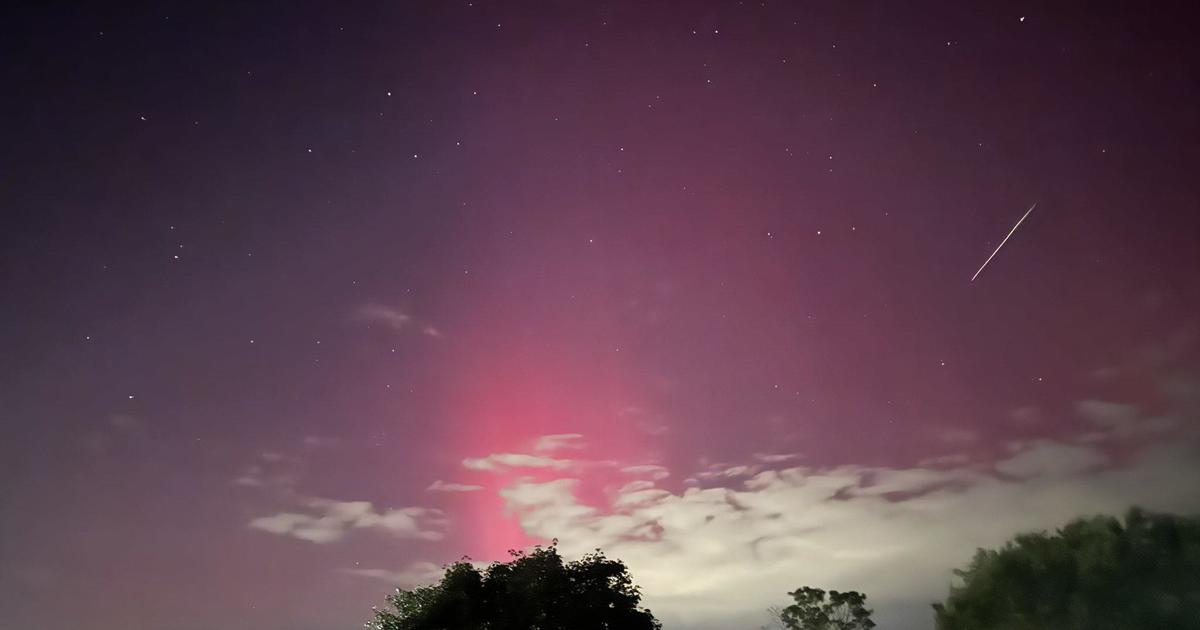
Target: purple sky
(302, 300)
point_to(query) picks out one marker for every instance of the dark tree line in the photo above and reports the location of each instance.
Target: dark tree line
(534, 591)
(1092, 574)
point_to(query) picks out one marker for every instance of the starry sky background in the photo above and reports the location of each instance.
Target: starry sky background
(301, 300)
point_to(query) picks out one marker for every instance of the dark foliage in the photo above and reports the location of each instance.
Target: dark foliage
(534, 591)
(1093, 574)
(814, 609)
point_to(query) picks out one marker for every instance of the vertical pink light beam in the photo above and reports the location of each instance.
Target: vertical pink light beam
(1010, 233)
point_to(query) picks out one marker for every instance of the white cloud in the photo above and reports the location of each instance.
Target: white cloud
(558, 442)
(444, 486)
(1045, 458)
(775, 458)
(653, 471)
(504, 461)
(1122, 420)
(716, 557)
(636, 486)
(395, 319)
(271, 471)
(252, 477)
(725, 471)
(328, 520)
(415, 574)
(386, 315)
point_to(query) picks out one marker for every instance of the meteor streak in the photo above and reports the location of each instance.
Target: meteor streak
(1010, 233)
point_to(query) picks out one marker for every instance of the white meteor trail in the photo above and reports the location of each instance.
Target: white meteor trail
(1010, 233)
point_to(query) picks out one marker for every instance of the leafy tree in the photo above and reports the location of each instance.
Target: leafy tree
(1093, 574)
(534, 591)
(813, 611)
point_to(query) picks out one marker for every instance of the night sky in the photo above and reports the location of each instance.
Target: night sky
(299, 300)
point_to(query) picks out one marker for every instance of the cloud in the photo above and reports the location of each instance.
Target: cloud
(386, 315)
(272, 470)
(654, 471)
(443, 486)
(127, 423)
(395, 319)
(412, 575)
(1025, 416)
(252, 478)
(558, 442)
(1107, 414)
(650, 424)
(956, 435)
(775, 458)
(953, 459)
(504, 461)
(1122, 420)
(327, 520)
(725, 471)
(636, 486)
(716, 557)
(1045, 458)
(317, 441)
(122, 431)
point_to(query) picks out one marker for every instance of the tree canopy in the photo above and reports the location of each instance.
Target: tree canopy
(1093, 574)
(813, 610)
(533, 591)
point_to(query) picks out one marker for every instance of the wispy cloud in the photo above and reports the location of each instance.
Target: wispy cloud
(957, 435)
(504, 461)
(412, 575)
(775, 458)
(713, 557)
(653, 471)
(558, 442)
(327, 520)
(317, 441)
(386, 315)
(394, 319)
(1123, 420)
(279, 471)
(444, 486)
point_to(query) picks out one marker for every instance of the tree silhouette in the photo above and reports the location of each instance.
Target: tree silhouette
(1093, 574)
(812, 610)
(534, 591)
